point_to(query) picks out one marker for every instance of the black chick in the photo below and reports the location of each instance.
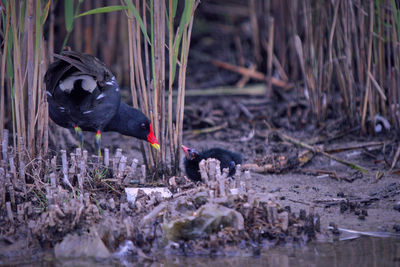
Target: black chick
(82, 93)
(192, 159)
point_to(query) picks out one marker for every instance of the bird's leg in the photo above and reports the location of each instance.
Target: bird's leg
(97, 141)
(232, 166)
(79, 134)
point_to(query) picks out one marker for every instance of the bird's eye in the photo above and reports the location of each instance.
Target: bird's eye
(143, 125)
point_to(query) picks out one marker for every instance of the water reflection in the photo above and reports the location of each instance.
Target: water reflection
(363, 251)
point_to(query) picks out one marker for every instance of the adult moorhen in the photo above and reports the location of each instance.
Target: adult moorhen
(192, 159)
(82, 93)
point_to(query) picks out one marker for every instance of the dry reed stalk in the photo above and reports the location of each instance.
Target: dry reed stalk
(137, 75)
(159, 74)
(172, 144)
(270, 53)
(50, 48)
(367, 96)
(3, 71)
(255, 29)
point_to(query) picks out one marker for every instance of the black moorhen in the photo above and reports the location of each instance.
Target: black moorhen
(227, 158)
(82, 93)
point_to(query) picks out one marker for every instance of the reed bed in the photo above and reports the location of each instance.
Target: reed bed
(23, 107)
(342, 55)
(139, 36)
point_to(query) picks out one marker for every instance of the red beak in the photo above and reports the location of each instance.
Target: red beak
(152, 139)
(186, 150)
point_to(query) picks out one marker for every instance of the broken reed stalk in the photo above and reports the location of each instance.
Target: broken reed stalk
(270, 53)
(218, 184)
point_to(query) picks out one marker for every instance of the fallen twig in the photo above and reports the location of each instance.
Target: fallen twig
(245, 111)
(152, 214)
(331, 174)
(279, 164)
(374, 234)
(252, 90)
(358, 146)
(317, 150)
(253, 74)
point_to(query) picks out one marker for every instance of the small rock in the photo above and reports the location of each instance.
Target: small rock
(277, 189)
(111, 204)
(284, 220)
(85, 245)
(210, 218)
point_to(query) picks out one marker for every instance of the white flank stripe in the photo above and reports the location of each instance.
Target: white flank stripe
(100, 96)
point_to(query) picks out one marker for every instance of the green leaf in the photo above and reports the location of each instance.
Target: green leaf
(106, 9)
(135, 13)
(69, 14)
(10, 67)
(22, 11)
(38, 30)
(174, 7)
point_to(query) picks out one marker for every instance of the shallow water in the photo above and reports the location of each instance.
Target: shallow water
(363, 251)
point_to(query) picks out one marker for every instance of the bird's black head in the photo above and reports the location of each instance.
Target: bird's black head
(132, 122)
(190, 153)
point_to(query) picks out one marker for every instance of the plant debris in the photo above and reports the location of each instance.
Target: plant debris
(219, 215)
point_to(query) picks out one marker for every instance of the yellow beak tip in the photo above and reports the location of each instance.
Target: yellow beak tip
(156, 146)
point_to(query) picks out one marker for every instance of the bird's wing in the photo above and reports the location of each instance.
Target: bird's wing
(54, 74)
(87, 64)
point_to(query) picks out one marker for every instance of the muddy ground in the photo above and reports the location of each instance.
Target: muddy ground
(352, 200)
